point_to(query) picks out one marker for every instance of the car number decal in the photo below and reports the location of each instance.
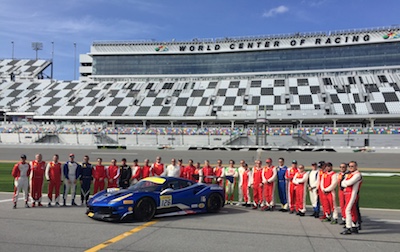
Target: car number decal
(165, 200)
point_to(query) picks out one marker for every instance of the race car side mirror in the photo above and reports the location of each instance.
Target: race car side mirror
(166, 191)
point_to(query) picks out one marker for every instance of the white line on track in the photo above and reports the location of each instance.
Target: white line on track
(9, 200)
(387, 221)
(114, 153)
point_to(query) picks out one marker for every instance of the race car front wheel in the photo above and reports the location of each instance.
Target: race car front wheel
(145, 209)
(214, 203)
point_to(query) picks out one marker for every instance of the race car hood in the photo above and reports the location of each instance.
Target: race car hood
(114, 195)
(111, 195)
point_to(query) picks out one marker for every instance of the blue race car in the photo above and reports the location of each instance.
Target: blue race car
(156, 197)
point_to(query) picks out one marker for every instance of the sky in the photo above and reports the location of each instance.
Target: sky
(71, 26)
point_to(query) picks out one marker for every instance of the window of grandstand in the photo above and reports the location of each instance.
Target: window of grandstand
(395, 86)
(294, 107)
(237, 108)
(150, 86)
(390, 97)
(305, 99)
(361, 79)
(152, 94)
(142, 111)
(315, 89)
(351, 80)
(356, 98)
(168, 85)
(327, 81)
(255, 100)
(181, 101)
(302, 82)
(230, 101)
(293, 90)
(277, 100)
(279, 83)
(222, 92)
(255, 83)
(383, 79)
(371, 88)
(203, 101)
(267, 91)
(234, 84)
(335, 98)
(212, 84)
(197, 93)
(189, 111)
(176, 93)
(241, 91)
(158, 101)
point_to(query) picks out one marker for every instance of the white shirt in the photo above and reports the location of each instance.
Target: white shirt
(172, 171)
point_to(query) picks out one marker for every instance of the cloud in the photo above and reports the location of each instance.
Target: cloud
(275, 11)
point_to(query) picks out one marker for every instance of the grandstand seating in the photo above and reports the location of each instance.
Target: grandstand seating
(293, 96)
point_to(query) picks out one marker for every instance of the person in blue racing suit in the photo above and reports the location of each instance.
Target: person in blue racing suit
(282, 184)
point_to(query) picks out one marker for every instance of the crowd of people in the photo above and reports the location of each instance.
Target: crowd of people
(255, 185)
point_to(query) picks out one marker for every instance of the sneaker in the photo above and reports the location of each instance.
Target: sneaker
(347, 231)
(57, 204)
(301, 214)
(291, 212)
(40, 204)
(334, 221)
(255, 206)
(26, 205)
(33, 204)
(15, 206)
(272, 208)
(354, 230)
(326, 220)
(73, 203)
(49, 205)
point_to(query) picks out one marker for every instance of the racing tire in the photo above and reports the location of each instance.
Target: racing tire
(214, 203)
(145, 209)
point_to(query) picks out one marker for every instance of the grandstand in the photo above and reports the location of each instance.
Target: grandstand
(340, 87)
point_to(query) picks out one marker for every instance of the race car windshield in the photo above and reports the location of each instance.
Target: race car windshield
(145, 186)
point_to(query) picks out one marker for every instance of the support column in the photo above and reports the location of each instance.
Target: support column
(334, 122)
(232, 124)
(144, 124)
(371, 123)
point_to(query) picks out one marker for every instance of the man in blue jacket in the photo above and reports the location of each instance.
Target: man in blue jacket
(86, 179)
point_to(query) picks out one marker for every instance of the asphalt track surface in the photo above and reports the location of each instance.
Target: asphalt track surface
(234, 228)
(366, 161)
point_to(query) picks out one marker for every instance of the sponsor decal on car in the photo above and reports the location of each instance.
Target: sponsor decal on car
(202, 205)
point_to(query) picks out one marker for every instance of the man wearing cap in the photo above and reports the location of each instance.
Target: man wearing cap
(300, 181)
(112, 174)
(268, 180)
(328, 187)
(21, 172)
(99, 176)
(53, 175)
(313, 183)
(282, 184)
(126, 174)
(291, 187)
(38, 168)
(86, 178)
(352, 184)
(71, 174)
(136, 172)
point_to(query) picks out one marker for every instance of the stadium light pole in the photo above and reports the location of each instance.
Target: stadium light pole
(12, 49)
(74, 61)
(52, 61)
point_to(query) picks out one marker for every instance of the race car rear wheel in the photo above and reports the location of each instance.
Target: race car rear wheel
(214, 203)
(145, 209)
